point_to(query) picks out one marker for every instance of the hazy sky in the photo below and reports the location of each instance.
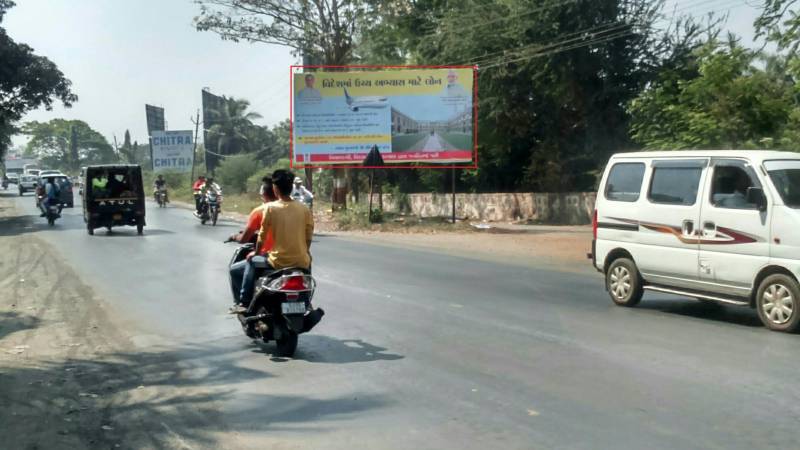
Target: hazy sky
(123, 54)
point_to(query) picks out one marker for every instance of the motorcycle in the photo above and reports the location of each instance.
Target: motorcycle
(210, 206)
(161, 197)
(308, 201)
(281, 307)
(51, 212)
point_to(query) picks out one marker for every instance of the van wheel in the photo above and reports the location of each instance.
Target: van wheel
(777, 303)
(623, 282)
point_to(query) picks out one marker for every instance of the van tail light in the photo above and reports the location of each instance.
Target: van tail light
(594, 225)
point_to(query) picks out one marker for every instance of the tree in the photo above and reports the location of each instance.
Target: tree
(780, 23)
(554, 79)
(27, 81)
(230, 135)
(67, 144)
(235, 170)
(726, 102)
(322, 29)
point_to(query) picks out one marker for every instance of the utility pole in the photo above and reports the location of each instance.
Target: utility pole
(196, 123)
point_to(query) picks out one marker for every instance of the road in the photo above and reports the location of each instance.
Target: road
(424, 351)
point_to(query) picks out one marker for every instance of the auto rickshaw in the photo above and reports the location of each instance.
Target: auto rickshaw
(113, 196)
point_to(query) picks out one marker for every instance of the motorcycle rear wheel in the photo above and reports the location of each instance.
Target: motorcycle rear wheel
(287, 344)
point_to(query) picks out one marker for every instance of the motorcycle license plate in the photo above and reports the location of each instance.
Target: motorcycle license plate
(293, 307)
(117, 216)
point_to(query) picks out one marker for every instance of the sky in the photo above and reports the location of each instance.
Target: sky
(120, 55)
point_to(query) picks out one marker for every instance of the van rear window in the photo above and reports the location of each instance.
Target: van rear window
(675, 185)
(625, 182)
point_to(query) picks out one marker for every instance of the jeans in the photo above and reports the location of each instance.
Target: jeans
(243, 279)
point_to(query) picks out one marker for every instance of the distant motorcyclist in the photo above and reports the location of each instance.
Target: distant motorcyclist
(208, 186)
(300, 193)
(160, 184)
(196, 187)
(50, 196)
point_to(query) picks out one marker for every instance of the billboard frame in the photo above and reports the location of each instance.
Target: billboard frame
(469, 166)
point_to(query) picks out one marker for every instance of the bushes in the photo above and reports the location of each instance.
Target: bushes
(254, 181)
(235, 171)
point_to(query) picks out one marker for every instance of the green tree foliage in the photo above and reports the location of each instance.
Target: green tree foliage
(554, 79)
(27, 81)
(321, 29)
(129, 152)
(724, 101)
(779, 22)
(234, 172)
(235, 125)
(67, 144)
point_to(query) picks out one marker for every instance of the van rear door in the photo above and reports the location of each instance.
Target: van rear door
(668, 222)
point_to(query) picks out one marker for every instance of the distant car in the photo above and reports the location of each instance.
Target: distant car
(66, 196)
(27, 183)
(13, 178)
(49, 172)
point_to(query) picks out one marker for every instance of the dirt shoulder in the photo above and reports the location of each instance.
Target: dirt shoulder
(69, 375)
(561, 248)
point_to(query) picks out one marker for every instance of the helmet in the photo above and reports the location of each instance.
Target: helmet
(298, 180)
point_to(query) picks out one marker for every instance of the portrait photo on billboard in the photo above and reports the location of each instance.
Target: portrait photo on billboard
(415, 116)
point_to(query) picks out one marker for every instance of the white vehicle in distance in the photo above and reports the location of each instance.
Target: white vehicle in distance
(722, 226)
(43, 173)
(27, 183)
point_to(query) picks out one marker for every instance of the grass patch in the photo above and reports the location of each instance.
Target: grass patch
(461, 141)
(356, 218)
(405, 142)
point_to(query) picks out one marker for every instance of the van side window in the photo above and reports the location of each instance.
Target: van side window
(675, 184)
(730, 183)
(625, 182)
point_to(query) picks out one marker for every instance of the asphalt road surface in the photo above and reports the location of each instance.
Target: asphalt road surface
(424, 351)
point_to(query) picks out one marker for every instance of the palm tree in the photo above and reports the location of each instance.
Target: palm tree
(231, 124)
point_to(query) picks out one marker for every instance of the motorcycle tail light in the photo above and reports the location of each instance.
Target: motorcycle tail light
(295, 282)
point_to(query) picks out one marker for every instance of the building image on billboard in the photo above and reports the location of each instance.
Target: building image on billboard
(412, 116)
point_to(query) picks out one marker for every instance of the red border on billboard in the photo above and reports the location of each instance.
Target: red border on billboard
(473, 165)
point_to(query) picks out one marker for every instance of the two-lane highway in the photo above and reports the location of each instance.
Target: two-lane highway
(420, 350)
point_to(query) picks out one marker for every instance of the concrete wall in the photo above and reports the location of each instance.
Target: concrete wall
(567, 208)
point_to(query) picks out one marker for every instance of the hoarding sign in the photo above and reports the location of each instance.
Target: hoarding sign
(412, 116)
(173, 151)
(155, 118)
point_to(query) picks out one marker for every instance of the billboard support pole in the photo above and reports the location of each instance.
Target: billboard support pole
(453, 178)
(194, 150)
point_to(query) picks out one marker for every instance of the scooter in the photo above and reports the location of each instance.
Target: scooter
(281, 307)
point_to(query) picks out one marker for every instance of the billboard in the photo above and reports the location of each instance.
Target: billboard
(421, 115)
(212, 104)
(173, 151)
(155, 119)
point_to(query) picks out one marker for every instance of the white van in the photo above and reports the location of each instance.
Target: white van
(713, 225)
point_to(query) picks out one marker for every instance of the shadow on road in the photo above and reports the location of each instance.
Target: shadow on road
(326, 349)
(153, 400)
(705, 310)
(129, 232)
(12, 321)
